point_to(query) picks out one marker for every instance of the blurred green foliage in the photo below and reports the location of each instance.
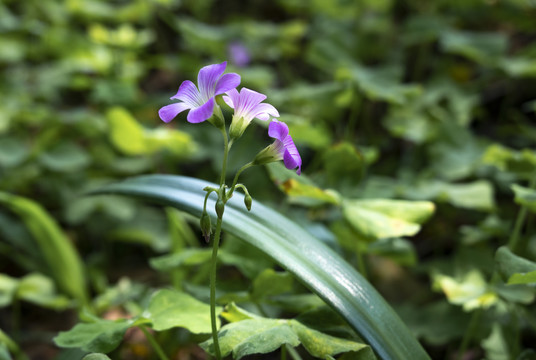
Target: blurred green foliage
(415, 121)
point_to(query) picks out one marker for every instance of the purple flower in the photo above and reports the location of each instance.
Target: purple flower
(282, 148)
(239, 54)
(200, 102)
(247, 105)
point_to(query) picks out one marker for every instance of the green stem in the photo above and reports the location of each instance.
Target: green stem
(292, 352)
(226, 148)
(469, 333)
(153, 343)
(214, 260)
(235, 180)
(215, 245)
(283, 352)
(513, 243)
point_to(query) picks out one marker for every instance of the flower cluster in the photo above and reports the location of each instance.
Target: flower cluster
(247, 105)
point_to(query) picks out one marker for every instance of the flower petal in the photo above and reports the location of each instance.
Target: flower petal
(207, 79)
(201, 113)
(189, 94)
(226, 83)
(278, 130)
(168, 112)
(291, 158)
(265, 110)
(233, 99)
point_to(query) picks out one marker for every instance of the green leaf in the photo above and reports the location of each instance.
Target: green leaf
(169, 309)
(64, 262)
(495, 345)
(185, 257)
(39, 289)
(344, 164)
(484, 48)
(254, 336)
(380, 84)
(12, 152)
(270, 283)
(527, 278)
(8, 288)
(102, 336)
(132, 139)
(510, 264)
(65, 157)
(233, 313)
(519, 66)
(261, 336)
(399, 250)
(300, 189)
(477, 195)
(382, 218)
(521, 163)
(321, 345)
(525, 197)
(308, 259)
(96, 356)
(4, 353)
(515, 293)
(470, 291)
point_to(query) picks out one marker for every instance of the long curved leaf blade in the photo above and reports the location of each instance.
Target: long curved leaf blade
(311, 261)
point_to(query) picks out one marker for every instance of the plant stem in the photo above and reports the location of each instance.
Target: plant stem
(283, 352)
(292, 352)
(469, 333)
(235, 180)
(513, 243)
(226, 147)
(153, 343)
(215, 245)
(214, 260)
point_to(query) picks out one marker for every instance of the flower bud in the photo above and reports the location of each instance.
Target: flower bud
(220, 207)
(206, 227)
(248, 201)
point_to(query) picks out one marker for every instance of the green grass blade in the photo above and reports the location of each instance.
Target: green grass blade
(311, 261)
(61, 256)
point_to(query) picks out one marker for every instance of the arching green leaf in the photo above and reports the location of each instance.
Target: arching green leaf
(311, 261)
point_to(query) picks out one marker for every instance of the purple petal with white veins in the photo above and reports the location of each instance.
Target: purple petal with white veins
(226, 83)
(278, 130)
(201, 113)
(189, 94)
(233, 99)
(265, 110)
(251, 96)
(207, 79)
(168, 112)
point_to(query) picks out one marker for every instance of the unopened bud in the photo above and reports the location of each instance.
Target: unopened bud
(220, 207)
(247, 201)
(206, 227)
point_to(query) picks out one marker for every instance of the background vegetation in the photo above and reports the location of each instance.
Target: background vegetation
(410, 100)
